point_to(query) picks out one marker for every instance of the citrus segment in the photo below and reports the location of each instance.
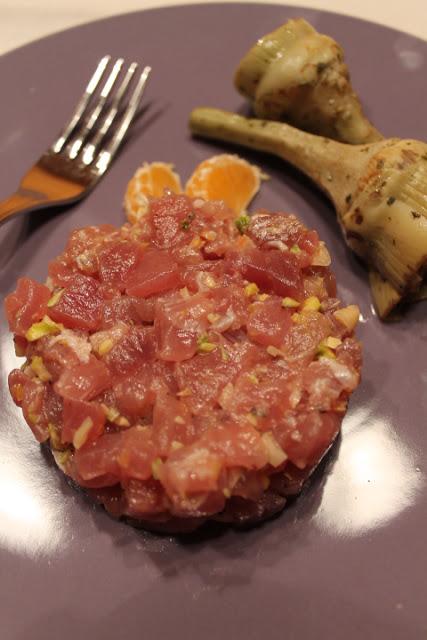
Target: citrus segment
(225, 177)
(150, 180)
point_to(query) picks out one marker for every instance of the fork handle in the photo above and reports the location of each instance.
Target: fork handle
(19, 202)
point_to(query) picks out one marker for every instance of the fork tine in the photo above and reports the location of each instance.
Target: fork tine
(81, 105)
(105, 92)
(105, 156)
(90, 148)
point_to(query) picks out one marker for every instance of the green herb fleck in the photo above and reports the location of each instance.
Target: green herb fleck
(242, 223)
(391, 200)
(185, 224)
(295, 249)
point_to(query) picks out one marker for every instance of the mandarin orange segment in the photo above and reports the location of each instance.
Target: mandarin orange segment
(225, 177)
(150, 180)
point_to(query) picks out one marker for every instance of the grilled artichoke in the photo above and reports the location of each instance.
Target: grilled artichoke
(379, 191)
(298, 75)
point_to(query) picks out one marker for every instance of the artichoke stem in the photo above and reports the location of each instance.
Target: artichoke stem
(333, 166)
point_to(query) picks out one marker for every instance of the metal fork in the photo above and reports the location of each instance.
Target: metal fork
(81, 155)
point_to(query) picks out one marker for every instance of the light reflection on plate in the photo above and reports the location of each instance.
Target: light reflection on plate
(30, 520)
(31, 513)
(374, 478)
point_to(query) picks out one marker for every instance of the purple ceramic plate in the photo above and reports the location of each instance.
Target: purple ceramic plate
(344, 561)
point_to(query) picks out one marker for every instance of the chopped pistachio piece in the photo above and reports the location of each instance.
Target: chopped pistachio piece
(290, 303)
(324, 352)
(251, 289)
(155, 468)
(332, 342)
(62, 457)
(105, 346)
(121, 421)
(312, 303)
(196, 242)
(18, 392)
(348, 316)
(341, 406)
(250, 417)
(184, 393)
(43, 328)
(252, 378)
(208, 281)
(207, 347)
(33, 418)
(321, 257)
(209, 235)
(184, 292)
(274, 451)
(54, 299)
(204, 345)
(275, 352)
(38, 366)
(82, 433)
(111, 413)
(224, 355)
(295, 249)
(55, 437)
(298, 318)
(213, 317)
